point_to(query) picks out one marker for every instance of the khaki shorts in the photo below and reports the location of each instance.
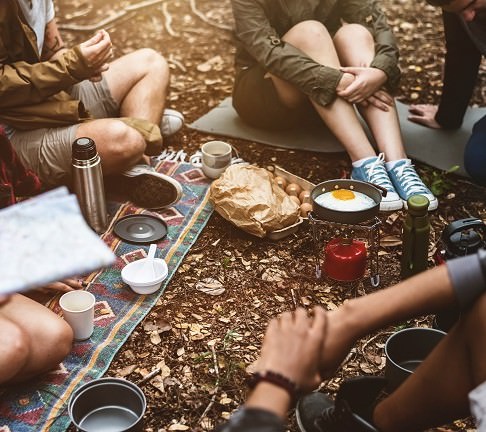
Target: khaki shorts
(256, 101)
(47, 151)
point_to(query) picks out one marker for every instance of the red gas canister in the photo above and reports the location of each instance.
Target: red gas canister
(345, 259)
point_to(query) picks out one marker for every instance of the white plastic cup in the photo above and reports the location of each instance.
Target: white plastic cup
(213, 158)
(78, 311)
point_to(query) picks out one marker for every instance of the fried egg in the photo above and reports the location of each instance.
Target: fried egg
(345, 200)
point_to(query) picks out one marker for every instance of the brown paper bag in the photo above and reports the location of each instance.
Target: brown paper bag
(248, 197)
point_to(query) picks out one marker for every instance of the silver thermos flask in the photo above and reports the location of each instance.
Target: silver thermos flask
(88, 183)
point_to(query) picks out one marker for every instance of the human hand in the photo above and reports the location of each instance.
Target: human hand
(381, 100)
(367, 81)
(424, 115)
(63, 286)
(344, 82)
(97, 52)
(292, 347)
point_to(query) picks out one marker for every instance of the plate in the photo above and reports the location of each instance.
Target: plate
(140, 228)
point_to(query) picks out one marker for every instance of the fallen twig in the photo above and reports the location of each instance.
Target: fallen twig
(148, 376)
(216, 387)
(177, 63)
(203, 17)
(111, 19)
(168, 20)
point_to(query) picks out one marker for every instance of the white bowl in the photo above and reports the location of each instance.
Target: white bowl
(131, 276)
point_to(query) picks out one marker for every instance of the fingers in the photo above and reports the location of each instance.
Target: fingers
(62, 286)
(319, 321)
(57, 286)
(378, 103)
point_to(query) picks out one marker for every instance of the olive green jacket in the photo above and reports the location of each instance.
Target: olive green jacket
(33, 93)
(260, 24)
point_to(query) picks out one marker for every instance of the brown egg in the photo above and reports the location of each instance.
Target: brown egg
(293, 189)
(305, 208)
(295, 199)
(304, 197)
(281, 182)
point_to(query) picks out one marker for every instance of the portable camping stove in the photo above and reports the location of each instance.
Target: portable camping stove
(324, 230)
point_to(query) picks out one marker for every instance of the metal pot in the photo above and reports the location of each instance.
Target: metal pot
(348, 217)
(109, 403)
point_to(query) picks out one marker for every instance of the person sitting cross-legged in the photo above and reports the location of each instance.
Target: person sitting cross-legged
(298, 59)
(50, 95)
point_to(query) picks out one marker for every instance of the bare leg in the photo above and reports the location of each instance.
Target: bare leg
(313, 38)
(119, 146)
(437, 392)
(355, 47)
(27, 348)
(138, 82)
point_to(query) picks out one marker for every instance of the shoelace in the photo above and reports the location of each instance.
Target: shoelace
(411, 182)
(377, 174)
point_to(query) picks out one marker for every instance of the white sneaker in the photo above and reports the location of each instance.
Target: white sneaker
(172, 122)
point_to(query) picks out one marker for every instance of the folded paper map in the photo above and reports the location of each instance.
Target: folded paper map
(46, 239)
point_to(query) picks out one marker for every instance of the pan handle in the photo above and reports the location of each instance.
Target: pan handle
(380, 188)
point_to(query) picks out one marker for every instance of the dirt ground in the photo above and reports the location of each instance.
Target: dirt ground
(203, 343)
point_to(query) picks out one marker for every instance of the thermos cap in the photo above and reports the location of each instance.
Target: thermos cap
(418, 205)
(83, 149)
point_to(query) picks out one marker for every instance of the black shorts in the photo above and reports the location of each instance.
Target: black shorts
(256, 101)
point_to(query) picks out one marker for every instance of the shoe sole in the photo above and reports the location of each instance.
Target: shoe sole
(299, 422)
(146, 190)
(386, 206)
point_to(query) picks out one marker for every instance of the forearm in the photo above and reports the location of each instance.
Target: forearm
(23, 83)
(424, 293)
(461, 68)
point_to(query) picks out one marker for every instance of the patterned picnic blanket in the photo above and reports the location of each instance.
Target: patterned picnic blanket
(41, 404)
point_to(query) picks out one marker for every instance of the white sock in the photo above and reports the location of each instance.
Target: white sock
(359, 162)
(391, 164)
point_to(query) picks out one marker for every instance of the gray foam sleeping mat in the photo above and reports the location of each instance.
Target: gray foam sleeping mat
(440, 149)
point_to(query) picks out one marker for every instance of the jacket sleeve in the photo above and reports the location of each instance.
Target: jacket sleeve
(22, 83)
(370, 15)
(461, 68)
(468, 277)
(280, 58)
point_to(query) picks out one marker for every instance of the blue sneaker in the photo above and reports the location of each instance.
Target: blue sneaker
(407, 183)
(373, 171)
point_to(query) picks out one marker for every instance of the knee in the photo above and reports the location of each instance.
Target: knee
(122, 142)
(354, 32)
(308, 34)
(152, 60)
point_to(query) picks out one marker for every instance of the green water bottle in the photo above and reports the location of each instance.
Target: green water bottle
(415, 237)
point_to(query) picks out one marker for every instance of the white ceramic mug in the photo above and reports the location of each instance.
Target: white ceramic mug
(78, 311)
(213, 159)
